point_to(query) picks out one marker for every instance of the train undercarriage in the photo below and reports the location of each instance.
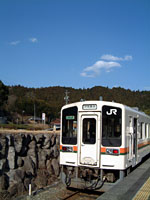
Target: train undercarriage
(90, 178)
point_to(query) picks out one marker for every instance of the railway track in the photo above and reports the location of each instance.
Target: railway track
(73, 194)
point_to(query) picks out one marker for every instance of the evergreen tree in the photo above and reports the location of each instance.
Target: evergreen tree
(3, 94)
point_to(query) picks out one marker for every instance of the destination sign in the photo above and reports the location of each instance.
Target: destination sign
(70, 117)
(89, 107)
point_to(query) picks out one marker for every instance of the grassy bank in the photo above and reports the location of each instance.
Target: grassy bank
(24, 126)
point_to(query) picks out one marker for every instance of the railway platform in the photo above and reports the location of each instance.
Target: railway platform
(136, 186)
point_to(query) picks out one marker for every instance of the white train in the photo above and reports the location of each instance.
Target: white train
(100, 142)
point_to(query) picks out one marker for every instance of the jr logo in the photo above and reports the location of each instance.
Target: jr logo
(112, 111)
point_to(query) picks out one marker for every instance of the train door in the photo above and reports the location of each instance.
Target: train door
(132, 139)
(135, 139)
(89, 137)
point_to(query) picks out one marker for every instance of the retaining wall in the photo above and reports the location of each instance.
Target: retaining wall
(27, 158)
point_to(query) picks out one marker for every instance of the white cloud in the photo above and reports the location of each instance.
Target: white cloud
(127, 57)
(95, 69)
(85, 74)
(115, 58)
(107, 63)
(33, 40)
(14, 43)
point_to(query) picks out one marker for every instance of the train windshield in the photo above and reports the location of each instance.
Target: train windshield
(69, 126)
(111, 126)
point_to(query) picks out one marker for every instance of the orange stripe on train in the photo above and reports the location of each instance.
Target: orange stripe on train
(75, 148)
(103, 149)
(124, 150)
(143, 144)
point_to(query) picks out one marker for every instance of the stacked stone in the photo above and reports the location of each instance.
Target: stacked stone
(27, 158)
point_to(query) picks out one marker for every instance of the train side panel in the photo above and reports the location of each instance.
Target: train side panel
(137, 141)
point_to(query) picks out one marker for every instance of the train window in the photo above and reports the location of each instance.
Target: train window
(69, 126)
(143, 130)
(89, 131)
(111, 126)
(146, 132)
(140, 130)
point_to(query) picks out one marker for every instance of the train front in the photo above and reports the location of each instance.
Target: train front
(82, 143)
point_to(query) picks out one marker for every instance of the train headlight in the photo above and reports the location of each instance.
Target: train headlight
(67, 149)
(112, 151)
(109, 151)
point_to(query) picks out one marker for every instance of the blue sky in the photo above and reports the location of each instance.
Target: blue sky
(75, 43)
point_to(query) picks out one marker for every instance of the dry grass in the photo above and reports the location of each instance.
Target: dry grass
(17, 131)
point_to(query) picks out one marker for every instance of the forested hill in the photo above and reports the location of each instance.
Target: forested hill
(51, 99)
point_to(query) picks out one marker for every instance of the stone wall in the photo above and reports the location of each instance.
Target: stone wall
(27, 158)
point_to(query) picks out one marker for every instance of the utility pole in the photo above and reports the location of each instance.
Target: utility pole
(66, 98)
(34, 113)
